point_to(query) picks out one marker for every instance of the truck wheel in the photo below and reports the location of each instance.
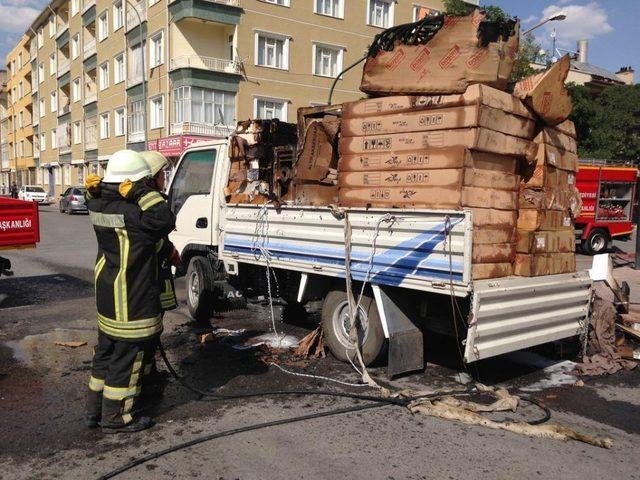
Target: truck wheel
(335, 324)
(596, 242)
(200, 294)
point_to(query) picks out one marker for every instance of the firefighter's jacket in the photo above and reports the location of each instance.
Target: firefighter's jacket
(126, 271)
(165, 276)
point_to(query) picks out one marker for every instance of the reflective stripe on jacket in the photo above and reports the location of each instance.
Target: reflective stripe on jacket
(126, 271)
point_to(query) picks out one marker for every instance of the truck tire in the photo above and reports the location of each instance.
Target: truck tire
(335, 324)
(200, 295)
(596, 242)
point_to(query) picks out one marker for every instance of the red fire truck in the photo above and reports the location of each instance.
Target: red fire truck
(608, 195)
(19, 228)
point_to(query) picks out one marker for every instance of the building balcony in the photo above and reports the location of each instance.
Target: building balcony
(201, 128)
(64, 109)
(36, 119)
(230, 3)
(90, 97)
(219, 11)
(206, 63)
(134, 137)
(89, 48)
(33, 50)
(132, 18)
(64, 65)
(91, 136)
(61, 28)
(134, 79)
(87, 5)
(64, 149)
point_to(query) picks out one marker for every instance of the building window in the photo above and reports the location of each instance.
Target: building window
(327, 60)
(420, 12)
(380, 13)
(77, 133)
(156, 49)
(268, 108)
(284, 3)
(75, 90)
(80, 173)
(20, 90)
(118, 15)
(118, 69)
(20, 120)
(52, 64)
(136, 117)
(20, 61)
(43, 107)
(43, 142)
(54, 140)
(56, 175)
(103, 26)
(54, 102)
(153, 2)
(134, 68)
(40, 38)
(52, 26)
(272, 50)
(157, 111)
(75, 46)
(104, 75)
(75, 7)
(332, 8)
(41, 72)
(66, 172)
(194, 104)
(119, 122)
(104, 125)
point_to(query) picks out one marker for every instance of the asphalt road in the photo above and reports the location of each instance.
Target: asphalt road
(42, 389)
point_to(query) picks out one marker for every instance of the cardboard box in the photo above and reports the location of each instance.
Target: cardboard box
(448, 177)
(481, 271)
(567, 199)
(532, 219)
(318, 157)
(313, 194)
(428, 197)
(493, 253)
(474, 95)
(527, 265)
(492, 218)
(551, 155)
(546, 93)
(547, 177)
(441, 119)
(447, 63)
(483, 235)
(567, 127)
(481, 139)
(430, 158)
(546, 242)
(557, 139)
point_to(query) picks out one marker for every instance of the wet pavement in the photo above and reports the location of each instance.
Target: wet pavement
(42, 388)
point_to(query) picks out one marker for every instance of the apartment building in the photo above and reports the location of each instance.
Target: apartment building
(5, 168)
(19, 125)
(162, 74)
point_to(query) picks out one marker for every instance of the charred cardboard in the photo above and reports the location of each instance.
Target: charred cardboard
(557, 139)
(428, 197)
(474, 95)
(447, 177)
(431, 158)
(546, 242)
(567, 199)
(441, 119)
(480, 271)
(548, 177)
(318, 156)
(551, 155)
(481, 139)
(546, 93)
(527, 265)
(494, 253)
(448, 63)
(532, 219)
(313, 194)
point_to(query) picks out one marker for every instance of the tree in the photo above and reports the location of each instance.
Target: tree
(607, 125)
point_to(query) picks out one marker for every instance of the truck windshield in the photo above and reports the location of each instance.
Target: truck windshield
(193, 177)
(35, 189)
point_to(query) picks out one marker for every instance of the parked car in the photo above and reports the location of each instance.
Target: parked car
(33, 193)
(72, 200)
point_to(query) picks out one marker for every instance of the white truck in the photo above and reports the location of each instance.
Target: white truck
(418, 279)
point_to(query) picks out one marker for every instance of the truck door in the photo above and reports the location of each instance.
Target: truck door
(191, 199)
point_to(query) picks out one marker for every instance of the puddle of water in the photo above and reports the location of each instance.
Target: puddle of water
(272, 340)
(556, 375)
(40, 351)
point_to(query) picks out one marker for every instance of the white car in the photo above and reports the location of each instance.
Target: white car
(33, 193)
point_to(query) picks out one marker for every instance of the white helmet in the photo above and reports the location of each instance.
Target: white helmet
(126, 165)
(155, 160)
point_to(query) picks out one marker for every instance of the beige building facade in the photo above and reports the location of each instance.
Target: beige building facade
(162, 74)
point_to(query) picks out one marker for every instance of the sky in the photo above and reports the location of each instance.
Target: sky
(611, 26)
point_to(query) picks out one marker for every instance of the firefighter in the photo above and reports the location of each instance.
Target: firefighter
(129, 219)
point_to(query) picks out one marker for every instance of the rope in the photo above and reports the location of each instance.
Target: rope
(318, 377)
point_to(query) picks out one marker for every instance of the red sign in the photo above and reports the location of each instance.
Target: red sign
(174, 145)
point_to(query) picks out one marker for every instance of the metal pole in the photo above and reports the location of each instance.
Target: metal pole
(637, 213)
(144, 89)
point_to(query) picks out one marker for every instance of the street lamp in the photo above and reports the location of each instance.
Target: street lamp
(557, 17)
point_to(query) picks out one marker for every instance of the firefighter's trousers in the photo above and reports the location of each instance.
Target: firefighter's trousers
(116, 378)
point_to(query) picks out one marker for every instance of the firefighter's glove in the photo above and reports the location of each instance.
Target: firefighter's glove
(176, 261)
(92, 183)
(125, 188)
